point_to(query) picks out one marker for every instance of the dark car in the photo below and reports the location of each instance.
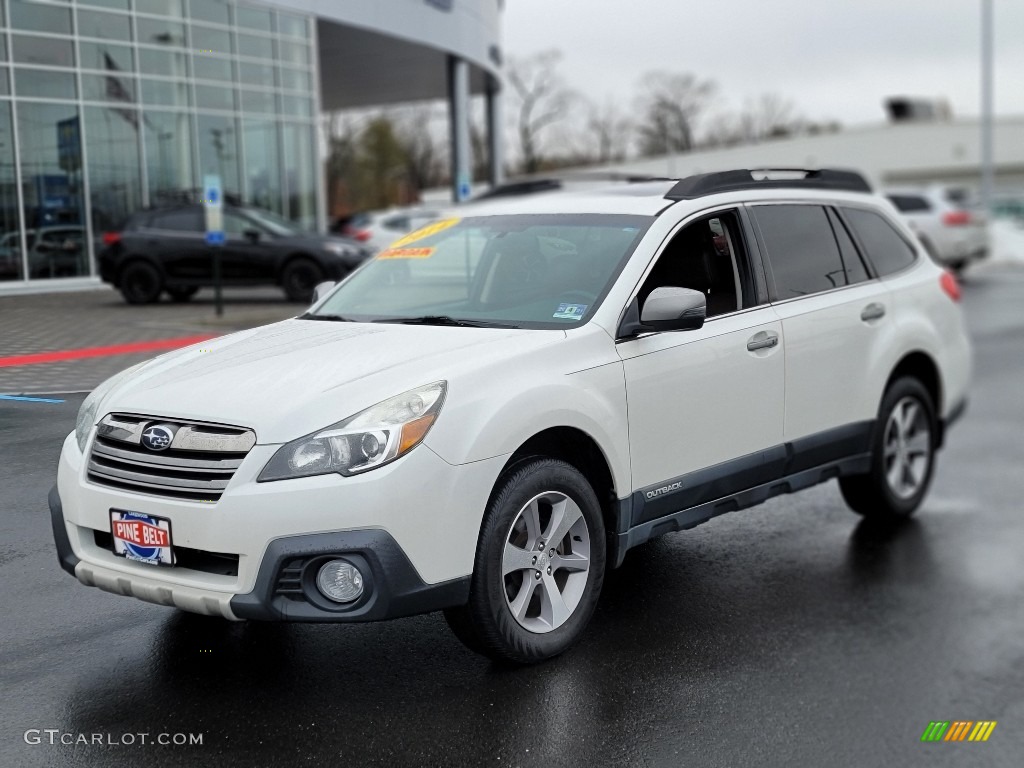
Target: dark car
(164, 249)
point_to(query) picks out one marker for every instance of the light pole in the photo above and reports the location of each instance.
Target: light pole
(987, 45)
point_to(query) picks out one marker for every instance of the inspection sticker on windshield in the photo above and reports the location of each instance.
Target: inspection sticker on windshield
(570, 311)
(424, 232)
(406, 253)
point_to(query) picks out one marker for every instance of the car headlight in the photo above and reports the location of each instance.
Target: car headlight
(370, 439)
(90, 406)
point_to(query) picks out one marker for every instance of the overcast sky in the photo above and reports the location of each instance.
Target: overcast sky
(835, 59)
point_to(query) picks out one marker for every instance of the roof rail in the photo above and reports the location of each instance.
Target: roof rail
(731, 181)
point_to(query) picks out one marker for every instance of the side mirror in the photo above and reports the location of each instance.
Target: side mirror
(667, 309)
(322, 290)
(252, 235)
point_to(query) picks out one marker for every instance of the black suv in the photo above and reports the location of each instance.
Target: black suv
(164, 249)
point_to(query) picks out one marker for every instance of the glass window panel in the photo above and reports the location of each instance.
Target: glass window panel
(161, 7)
(168, 93)
(259, 101)
(157, 62)
(5, 82)
(115, 182)
(254, 18)
(169, 152)
(211, 40)
(802, 249)
(40, 18)
(121, 5)
(51, 168)
(11, 267)
(262, 170)
(855, 269)
(159, 31)
(296, 106)
(112, 87)
(296, 80)
(251, 73)
(293, 26)
(210, 68)
(218, 150)
(300, 174)
(209, 10)
(884, 246)
(105, 56)
(255, 46)
(44, 83)
(3, 46)
(52, 51)
(215, 97)
(292, 52)
(106, 26)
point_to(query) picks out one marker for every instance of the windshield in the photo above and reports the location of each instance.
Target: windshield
(272, 222)
(526, 271)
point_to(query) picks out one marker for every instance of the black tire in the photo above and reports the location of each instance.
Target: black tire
(872, 495)
(181, 294)
(486, 623)
(299, 278)
(140, 283)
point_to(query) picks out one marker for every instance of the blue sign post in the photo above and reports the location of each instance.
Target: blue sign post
(213, 203)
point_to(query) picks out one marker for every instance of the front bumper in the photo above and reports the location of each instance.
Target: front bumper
(411, 527)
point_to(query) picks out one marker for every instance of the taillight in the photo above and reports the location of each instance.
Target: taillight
(362, 235)
(956, 218)
(950, 286)
(111, 238)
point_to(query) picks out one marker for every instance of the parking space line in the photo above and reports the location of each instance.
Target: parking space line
(117, 349)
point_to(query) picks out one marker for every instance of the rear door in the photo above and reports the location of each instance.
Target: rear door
(248, 250)
(705, 407)
(835, 317)
(176, 238)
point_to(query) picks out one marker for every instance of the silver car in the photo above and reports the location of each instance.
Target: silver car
(951, 231)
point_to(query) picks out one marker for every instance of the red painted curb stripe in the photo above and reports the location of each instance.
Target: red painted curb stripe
(117, 349)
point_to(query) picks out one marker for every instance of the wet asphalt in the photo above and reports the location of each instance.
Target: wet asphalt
(788, 634)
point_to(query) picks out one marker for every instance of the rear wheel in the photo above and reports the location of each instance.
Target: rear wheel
(539, 566)
(300, 278)
(903, 455)
(182, 294)
(140, 283)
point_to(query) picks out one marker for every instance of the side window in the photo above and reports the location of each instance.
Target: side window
(802, 251)
(704, 256)
(236, 225)
(910, 203)
(884, 246)
(178, 221)
(856, 272)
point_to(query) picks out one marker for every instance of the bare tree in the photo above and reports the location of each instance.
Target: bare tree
(610, 131)
(423, 146)
(540, 99)
(671, 104)
(770, 115)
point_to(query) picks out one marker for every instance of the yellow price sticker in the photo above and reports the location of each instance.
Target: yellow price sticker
(424, 232)
(406, 253)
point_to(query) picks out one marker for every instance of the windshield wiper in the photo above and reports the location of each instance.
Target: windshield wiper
(335, 318)
(444, 320)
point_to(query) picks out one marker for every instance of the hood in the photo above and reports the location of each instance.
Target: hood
(298, 376)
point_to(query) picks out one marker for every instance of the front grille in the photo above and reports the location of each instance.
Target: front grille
(217, 563)
(197, 465)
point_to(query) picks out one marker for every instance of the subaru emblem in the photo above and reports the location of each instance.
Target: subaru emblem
(158, 438)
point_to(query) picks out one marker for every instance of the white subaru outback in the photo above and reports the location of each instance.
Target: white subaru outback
(492, 412)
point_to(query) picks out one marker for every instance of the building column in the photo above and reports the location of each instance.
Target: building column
(495, 132)
(458, 120)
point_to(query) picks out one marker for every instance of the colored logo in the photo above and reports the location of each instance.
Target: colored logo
(958, 730)
(141, 535)
(157, 438)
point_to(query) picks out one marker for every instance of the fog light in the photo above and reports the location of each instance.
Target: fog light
(340, 581)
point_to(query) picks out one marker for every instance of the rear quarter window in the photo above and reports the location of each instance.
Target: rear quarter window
(910, 203)
(883, 244)
(802, 251)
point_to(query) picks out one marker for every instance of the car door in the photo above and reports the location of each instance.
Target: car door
(248, 253)
(834, 319)
(705, 407)
(175, 238)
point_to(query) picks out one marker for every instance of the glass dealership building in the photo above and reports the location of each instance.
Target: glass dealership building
(109, 106)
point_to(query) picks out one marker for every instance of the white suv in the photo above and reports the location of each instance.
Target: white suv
(492, 412)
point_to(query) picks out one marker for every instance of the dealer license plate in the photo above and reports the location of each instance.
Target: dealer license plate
(140, 537)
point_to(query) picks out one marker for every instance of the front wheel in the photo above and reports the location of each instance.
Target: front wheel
(539, 568)
(140, 283)
(300, 278)
(903, 455)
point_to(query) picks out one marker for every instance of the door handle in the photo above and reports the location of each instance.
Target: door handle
(872, 312)
(762, 341)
